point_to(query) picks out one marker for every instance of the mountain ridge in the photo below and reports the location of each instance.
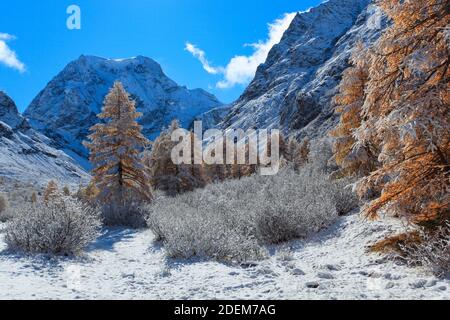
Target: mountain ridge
(26, 155)
(294, 89)
(68, 106)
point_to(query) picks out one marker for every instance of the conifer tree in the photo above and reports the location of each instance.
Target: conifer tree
(34, 197)
(51, 191)
(168, 176)
(406, 112)
(66, 191)
(405, 116)
(250, 167)
(3, 203)
(88, 194)
(235, 170)
(294, 152)
(196, 170)
(163, 172)
(302, 153)
(352, 157)
(116, 148)
(291, 148)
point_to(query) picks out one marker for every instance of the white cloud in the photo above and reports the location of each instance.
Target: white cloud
(7, 56)
(200, 55)
(241, 69)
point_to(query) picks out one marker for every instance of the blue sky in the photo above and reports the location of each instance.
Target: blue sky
(195, 41)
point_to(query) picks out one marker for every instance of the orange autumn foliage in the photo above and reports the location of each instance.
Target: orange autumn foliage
(116, 151)
(404, 116)
(353, 158)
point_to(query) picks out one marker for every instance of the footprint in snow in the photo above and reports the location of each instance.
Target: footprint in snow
(312, 284)
(298, 272)
(390, 285)
(333, 267)
(325, 275)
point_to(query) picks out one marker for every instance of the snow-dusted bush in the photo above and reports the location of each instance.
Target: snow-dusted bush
(432, 252)
(293, 205)
(320, 155)
(233, 220)
(4, 212)
(189, 229)
(6, 215)
(321, 161)
(3, 203)
(128, 214)
(345, 199)
(62, 227)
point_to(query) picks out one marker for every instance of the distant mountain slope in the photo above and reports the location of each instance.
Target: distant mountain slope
(293, 89)
(212, 117)
(25, 155)
(68, 105)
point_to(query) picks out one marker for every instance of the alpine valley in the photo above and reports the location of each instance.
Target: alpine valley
(357, 210)
(292, 90)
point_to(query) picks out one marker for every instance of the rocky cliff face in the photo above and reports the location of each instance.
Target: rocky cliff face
(293, 89)
(68, 105)
(25, 155)
(9, 114)
(211, 118)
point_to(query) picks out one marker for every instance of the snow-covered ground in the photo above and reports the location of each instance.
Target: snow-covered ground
(126, 264)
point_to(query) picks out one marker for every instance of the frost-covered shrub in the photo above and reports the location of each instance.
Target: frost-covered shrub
(129, 214)
(321, 161)
(62, 227)
(188, 231)
(233, 220)
(432, 252)
(320, 155)
(345, 199)
(294, 205)
(6, 215)
(4, 212)
(3, 203)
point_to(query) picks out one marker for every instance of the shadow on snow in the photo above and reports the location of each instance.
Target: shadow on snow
(109, 237)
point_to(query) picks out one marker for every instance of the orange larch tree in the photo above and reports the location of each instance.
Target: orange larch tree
(116, 148)
(353, 158)
(405, 114)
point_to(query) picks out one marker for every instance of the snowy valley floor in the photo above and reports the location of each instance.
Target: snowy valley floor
(125, 264)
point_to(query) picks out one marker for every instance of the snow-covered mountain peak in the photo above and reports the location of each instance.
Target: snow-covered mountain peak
(293, 89)
(141, 63)
(67, 107)
(7, 105)
(9, 113)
